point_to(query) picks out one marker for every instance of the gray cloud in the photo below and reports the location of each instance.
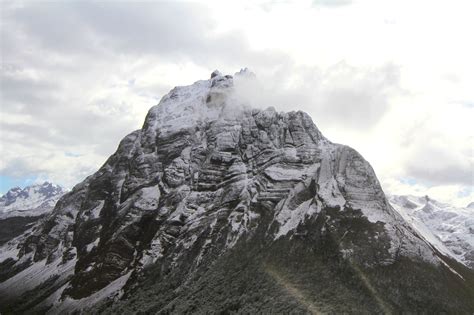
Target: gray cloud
(20, 168)
(343, 95)
(445, 174)
(86, 26)
(18, 91)
(174, 30)
(358, 98)
(57, 59)
(435, 165)
(66, 65)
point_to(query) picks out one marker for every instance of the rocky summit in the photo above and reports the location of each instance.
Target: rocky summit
(215, 206)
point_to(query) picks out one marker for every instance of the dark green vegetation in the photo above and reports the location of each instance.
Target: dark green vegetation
(306, 274)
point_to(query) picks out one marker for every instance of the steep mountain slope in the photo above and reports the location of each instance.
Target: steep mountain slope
(21, 208)
(214, 206)
(450, 229)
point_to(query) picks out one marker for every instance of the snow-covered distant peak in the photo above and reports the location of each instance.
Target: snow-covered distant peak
(470, 205)
(450, 229)
(245, 72)
(32, 200)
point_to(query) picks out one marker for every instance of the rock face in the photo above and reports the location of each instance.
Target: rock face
(21, 208)
(450, 229)
(214, 206)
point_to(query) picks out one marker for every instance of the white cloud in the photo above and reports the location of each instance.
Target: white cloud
(457, 195)
(392, 79)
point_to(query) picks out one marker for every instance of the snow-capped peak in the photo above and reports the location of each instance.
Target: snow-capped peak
(32, 200)
(245, 72)
(185, 107)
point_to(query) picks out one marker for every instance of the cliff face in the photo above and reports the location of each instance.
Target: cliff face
(215, 206)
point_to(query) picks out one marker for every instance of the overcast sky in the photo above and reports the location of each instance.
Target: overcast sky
(393, 79)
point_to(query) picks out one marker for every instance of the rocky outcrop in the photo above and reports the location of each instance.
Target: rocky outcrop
(211, 192)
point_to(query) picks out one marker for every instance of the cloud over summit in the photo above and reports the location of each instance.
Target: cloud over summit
(78, 76)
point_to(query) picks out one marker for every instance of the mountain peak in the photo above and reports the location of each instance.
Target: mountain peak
(245, 72)
(33, 200)
(185, 107)
(211, 185)
(215, 73)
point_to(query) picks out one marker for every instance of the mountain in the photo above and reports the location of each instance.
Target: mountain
(32, 200)
(21, 208)
(214, 206)
(450, 229)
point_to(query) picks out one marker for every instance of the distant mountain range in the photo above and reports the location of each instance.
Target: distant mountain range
(21, 208)
(34, 200)
(450, 229)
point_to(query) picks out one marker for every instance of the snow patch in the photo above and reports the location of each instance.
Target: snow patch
(149, 198)
(452, 270)
(94, 213)
(290, 219)
(37, 274)
(68, 305)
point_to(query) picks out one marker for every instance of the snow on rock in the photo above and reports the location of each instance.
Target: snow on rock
(149, 198)
(450, 229)
(328, 186)
(36, 274)
(290, 219)
(185, 106)
(151, 255)
(451, 269)
(344, 180)
(34, 200)
(285, 173)
(64, 306)
(95, 212)
(9, 250)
